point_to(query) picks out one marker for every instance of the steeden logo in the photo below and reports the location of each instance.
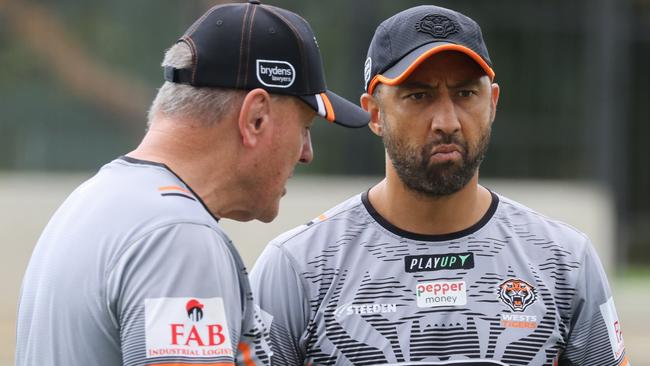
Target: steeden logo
(361, 309)
(276, 74)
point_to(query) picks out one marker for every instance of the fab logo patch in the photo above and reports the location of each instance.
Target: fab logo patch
(190, 327)
(517, 294)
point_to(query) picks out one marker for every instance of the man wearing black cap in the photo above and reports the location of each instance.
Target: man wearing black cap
(133, 268)
(428, 267)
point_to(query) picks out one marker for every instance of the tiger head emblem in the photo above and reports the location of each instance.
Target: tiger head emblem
(517, 294)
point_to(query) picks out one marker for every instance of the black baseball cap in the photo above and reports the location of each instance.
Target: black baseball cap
(402, 42)
(250, 45)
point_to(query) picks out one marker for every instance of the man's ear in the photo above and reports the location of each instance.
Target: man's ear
(371, 105)
(254, 116)
(494, 100)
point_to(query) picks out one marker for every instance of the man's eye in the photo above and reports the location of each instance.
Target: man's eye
(417, 96)
(466, 93)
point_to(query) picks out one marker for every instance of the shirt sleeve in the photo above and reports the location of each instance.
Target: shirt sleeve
(278, 289)
(595, 336)
(175, 297)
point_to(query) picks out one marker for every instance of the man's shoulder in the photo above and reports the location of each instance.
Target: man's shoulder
(127, 197)
(521, 216)
(152, 189)
(332, 222)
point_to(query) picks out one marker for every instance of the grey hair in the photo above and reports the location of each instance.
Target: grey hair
(203, 104)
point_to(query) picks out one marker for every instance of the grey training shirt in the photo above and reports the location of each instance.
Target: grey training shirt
(132, 269)
(516, 288)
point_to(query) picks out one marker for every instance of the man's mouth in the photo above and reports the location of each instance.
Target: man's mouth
(446, 148)
(446, 152)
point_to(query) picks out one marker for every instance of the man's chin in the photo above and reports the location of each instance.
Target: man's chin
(266, 220)
(438, 184)
(446, 167)
(270, 214)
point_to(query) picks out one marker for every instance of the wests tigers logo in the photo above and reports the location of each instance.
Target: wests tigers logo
(517, 294)
(437, 25)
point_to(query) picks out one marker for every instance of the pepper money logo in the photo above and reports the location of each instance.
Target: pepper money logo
(441, 293)
(517, 294)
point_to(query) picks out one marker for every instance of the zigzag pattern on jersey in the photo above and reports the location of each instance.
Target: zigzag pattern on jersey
(260, 342)
(284, 347)
(431, 342)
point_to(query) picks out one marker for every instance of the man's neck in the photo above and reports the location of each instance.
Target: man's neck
(421, 214)
(207, 168)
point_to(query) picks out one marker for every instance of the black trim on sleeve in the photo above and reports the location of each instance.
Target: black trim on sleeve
(424, 237)
(178, 195)
(131, 160)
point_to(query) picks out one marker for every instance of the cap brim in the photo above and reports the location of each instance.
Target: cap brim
(337, 109)
(404, 67)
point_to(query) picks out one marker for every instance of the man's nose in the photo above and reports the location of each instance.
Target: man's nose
(307, 153)
(445, 119)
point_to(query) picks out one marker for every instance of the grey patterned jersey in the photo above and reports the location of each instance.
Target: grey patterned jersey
(133, 270)
(516, 288)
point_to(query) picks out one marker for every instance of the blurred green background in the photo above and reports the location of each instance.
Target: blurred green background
(77, 78)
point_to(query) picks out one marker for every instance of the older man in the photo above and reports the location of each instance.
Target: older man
(133, 268)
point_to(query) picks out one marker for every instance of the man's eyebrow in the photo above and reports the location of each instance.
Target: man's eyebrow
(466, 83)
(416, 85)
(471, 82)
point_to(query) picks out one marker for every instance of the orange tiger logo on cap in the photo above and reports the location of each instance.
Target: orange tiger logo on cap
(517, 294)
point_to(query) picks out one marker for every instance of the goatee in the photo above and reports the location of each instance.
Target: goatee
(435, 179)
